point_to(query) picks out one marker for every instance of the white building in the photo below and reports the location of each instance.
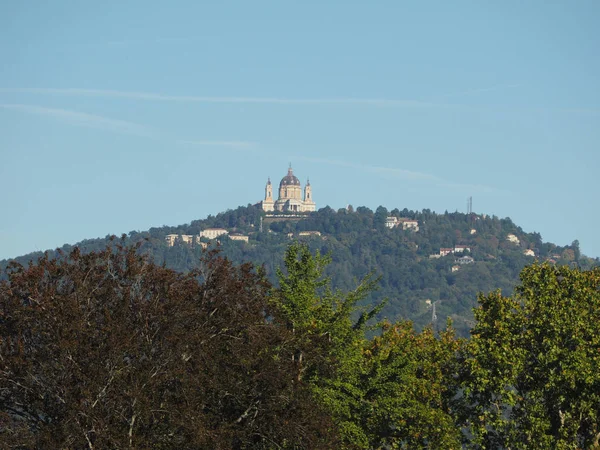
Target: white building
(171, 238)
(290, 196)
(407, 224)
(391, 221)
(213, 233)
(465, 260)
(512, 238)
(188, 239)
(238, 237)
(309, 233)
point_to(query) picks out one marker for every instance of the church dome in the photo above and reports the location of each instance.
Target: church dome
(290, 179)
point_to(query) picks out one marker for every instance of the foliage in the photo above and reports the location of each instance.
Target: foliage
(392, 389)
(532, 370)
(107, 350)
(409, 384)
(359, 243)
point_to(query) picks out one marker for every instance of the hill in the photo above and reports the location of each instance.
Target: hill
(484, 253)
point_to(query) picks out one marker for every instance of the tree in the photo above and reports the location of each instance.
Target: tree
(392, 390)
(409, 384)
(330, 338)
(533, 363)
(107, 350)
(380, 216)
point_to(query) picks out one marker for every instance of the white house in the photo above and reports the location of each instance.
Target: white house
(184, 238)
(391, 221)
(171, 238)
(512, 238)
(408, 224)
(212, 233)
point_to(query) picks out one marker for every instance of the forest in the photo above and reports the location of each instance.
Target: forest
(107, 349)
(409, 281)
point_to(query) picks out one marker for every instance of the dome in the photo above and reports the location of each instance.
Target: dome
(290, 179)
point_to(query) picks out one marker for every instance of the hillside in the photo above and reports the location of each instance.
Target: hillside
(413, 273)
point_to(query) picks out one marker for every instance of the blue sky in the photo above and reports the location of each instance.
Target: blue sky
(120, 116)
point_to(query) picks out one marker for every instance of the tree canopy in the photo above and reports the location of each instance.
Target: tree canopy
(108, 350)
(532, 370)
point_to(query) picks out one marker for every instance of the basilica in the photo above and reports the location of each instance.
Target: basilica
(290, 196)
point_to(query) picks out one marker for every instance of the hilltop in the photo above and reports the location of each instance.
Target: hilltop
(426, 261)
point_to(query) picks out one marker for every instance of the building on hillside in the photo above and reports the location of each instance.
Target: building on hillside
(455, 268)
(391, 221)
(309, 233)
(171, 239)
(512, 238)
(407, 224)
(213, 233)
(446, 251)
(187, 239)
(461, 248)
(238, 237)
(529, 252)
(290, 196)
(465, 260)
(473, 231)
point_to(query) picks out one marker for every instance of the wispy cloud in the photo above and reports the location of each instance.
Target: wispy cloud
(481, 90)
(405, 174)
(436, 102)
(163, 40)
(228, 144)
(81, 119)
(132, 95)
(400, 173)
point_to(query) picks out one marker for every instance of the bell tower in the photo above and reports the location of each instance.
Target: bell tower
(309, 205)
(269, 190)
(268, 203)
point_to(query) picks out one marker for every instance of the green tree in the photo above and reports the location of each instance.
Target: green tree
(409, 384)
(533, 363)
(389, 391)
(330, 337)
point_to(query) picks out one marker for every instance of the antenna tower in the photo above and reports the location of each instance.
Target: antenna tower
(433, 314)
(470, 205)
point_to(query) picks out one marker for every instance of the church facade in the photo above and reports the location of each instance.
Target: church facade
(290, 196)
